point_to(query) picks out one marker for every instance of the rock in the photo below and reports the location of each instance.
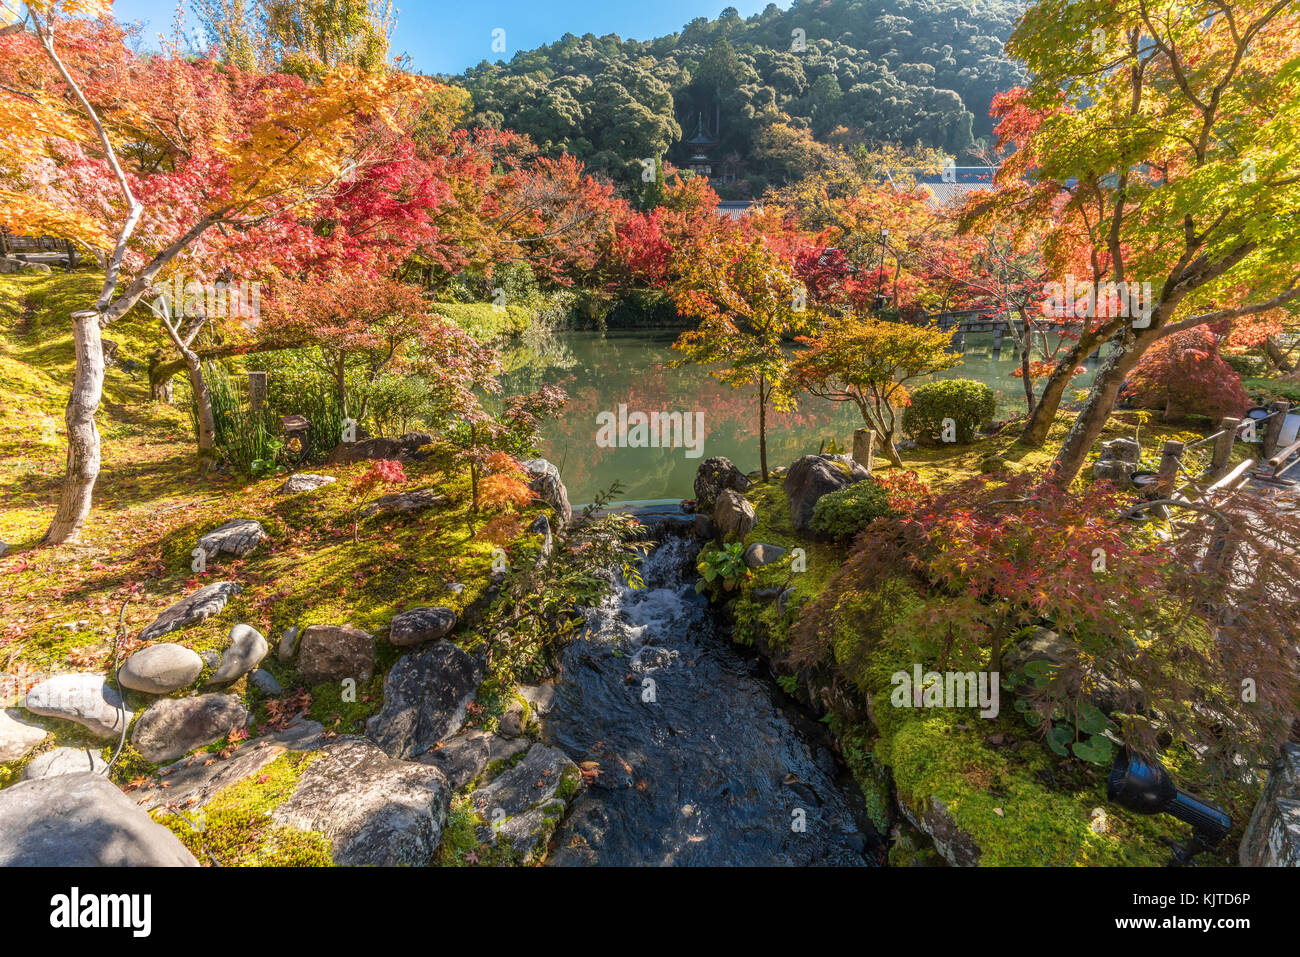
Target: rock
(456, 588)
(403, 449)
(525, 804)
(303, 482)
(542, 526)
(549, 487)
(211, 659)
(37, 269)
(161, 669)
(175, 726)
(1272, 838)
(462, 759)
(246, 651)
(704, 527)
(200, 606)
(856, 471)
(955, 845)
(714, 476)
(374, 809)
(511, 723)
(81, 820)
(1113, 470)
(783, 600)
(1046, 645)
(63, 761)
(288, 643)
(425, 697)
(4, 548)
(540, 698)
(808, 480)
(237, 538)
(336, 652)
(17, 736)
(400, 503)
(864, 447)
(1122, 450)
(192, 782)
(760, 553)
(84, 698)
(733, 517)
(265, 682)
(417, 625)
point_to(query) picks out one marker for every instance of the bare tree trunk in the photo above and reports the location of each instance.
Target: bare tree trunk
(1044, 411)
(1276, 356)
(83, 436)
(203, 404)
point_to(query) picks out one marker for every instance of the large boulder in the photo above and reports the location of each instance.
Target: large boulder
(374, 809)
(81, 820)
(160, 669)
(418, 625)
(1272, 837)
(399, 503)
(525, 804)
(238, 537)
(334, 653)
(176, 726)
(84, 698)
(200, 606)
(733, 517)
(760, 553)
(808, 480)
(403, 449)
(714, 476)
(547, 485)
(246, 651)
(17, 736)
(426, 694)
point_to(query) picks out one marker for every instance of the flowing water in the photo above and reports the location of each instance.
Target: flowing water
(602, 371)
(701, 760)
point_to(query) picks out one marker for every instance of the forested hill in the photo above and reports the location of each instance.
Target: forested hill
(897, 71)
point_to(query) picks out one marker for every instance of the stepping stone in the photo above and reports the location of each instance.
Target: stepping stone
(63, 761)
(426, 694)
(403, 502)
(238, 538)
(82, 820)
(374, 809)
(17, 736)
(336, 652)
(303, 482)
(417, 625)
(246, 651)
(84, 698)
(200, 606)
(161, 669)
(175, 726)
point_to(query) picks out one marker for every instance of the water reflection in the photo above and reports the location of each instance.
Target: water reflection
(602, 371)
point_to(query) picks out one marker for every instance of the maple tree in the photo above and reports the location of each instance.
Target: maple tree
(1184, 374)
(747, 298)
(259, 150)
(1172, 134)
(869, 362)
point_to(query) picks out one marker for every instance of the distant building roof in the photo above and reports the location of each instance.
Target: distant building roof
(735, 208)
(951, 184)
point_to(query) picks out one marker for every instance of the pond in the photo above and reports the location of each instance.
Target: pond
(605, 371)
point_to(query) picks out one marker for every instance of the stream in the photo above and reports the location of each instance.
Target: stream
(703, 760)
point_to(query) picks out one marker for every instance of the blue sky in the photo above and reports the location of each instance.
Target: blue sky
(447, 37)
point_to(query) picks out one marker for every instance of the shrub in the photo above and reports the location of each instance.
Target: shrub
(844, 513)
(1184, 374)
(968, 403)
(1270, 390)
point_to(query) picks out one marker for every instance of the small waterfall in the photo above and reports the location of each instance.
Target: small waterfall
(701, 760)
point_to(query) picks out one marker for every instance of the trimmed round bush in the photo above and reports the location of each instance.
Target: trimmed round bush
(844, 513)
(968, 403)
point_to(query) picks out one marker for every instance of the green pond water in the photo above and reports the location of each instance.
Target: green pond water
(601, 371)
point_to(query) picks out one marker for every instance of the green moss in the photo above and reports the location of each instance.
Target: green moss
(486, 321)
(235, 827)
